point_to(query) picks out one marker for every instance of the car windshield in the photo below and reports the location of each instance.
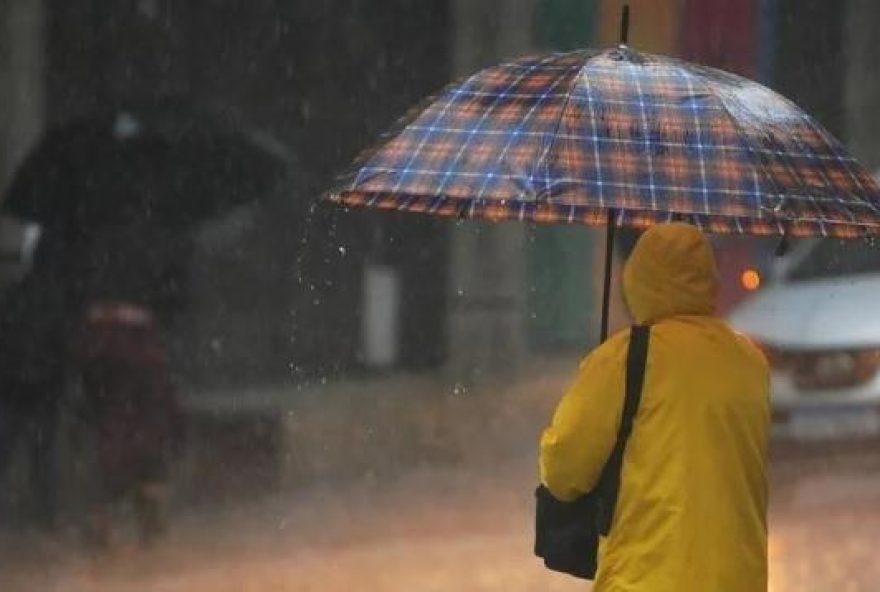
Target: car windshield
(834, 258)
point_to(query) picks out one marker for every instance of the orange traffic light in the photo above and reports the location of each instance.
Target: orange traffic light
(750, 280)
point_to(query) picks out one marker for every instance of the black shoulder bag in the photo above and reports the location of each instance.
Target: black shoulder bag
(567, 533)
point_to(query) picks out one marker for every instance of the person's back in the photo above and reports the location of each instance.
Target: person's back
(691, 513)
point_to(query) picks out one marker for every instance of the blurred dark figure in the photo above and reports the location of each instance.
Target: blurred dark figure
(34, 332)
(130, 405)
(41, 329)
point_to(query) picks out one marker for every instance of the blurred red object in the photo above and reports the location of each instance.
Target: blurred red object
(121, 334)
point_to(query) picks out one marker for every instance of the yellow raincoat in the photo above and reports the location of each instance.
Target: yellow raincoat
(691, 514)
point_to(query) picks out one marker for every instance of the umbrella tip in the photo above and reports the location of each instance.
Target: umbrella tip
(624, 25)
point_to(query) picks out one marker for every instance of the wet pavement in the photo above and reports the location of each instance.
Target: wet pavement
(465, 528)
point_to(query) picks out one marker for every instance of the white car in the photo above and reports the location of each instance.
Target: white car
(819, 324)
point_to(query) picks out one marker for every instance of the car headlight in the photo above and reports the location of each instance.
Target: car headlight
(835, 369)
(816, 370)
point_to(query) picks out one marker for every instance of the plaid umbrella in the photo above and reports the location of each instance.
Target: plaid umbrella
(618, 137)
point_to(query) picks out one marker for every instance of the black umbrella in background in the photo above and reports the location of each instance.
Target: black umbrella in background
(117, 194)
(169, 160)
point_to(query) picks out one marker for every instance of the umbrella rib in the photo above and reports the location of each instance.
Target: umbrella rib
(476, 129)
(516, 133)
(843, 162)
(746, 142)
(450, 99)
(825, 179)
(646, 132)
(786, 157)
(595, 138)
(700, 155)
(541, 161)
(354, 176)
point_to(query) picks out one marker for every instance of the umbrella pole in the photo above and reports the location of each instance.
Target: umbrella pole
(610, 227)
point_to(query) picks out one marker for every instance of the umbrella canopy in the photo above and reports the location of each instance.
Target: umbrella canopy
(619, 135)
(169, 159)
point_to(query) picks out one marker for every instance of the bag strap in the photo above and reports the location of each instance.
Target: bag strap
(609, 481)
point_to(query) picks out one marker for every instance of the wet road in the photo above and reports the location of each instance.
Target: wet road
(465, 529)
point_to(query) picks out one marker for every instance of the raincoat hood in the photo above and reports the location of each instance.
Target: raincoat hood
(670, 273)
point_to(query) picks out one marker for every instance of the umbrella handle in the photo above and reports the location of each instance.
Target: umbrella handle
(783, 247)
(624, 25)
(610, 227)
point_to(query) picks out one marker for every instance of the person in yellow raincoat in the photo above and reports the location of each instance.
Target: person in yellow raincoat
(691, 512)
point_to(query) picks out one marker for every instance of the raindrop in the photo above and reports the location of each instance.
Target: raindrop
(126, 126)
(148, 8)
(305, 109)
